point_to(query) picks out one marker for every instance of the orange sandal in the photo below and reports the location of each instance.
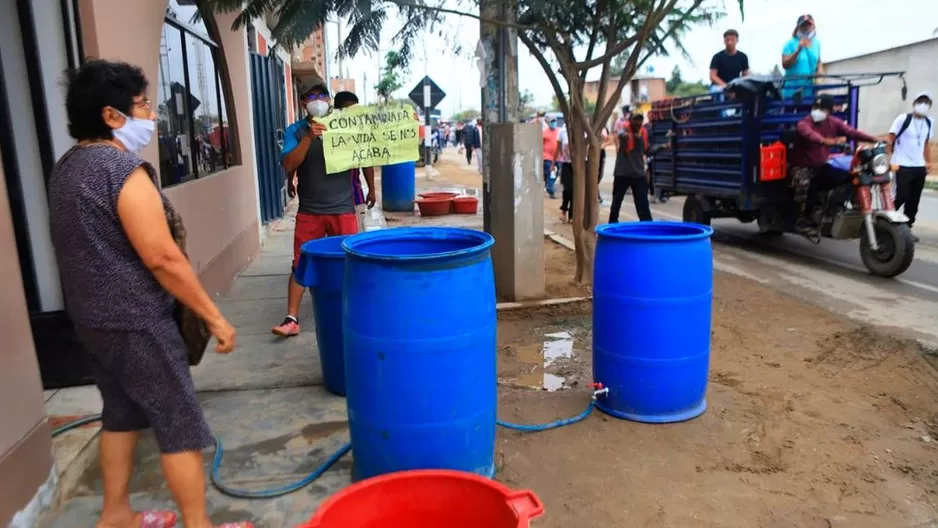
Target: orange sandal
(157, 519)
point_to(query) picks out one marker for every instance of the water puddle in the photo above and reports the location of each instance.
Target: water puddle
(558, 345)
(533, 362)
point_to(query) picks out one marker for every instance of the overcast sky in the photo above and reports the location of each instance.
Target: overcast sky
(845, 28)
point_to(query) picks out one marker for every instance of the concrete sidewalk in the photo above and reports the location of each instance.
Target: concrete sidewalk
(265, 401)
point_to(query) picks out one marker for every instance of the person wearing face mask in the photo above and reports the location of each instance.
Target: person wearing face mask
(327, 201)
(909, 137)
(816, 133)
(801, 58)
(632, 147)
(120, 247)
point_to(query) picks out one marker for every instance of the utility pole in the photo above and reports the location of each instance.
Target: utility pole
(427, 109)
(512, 162)
(428, 140)
(338, 29)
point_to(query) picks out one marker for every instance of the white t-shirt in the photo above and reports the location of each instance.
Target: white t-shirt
(909, 150)
(564, 145)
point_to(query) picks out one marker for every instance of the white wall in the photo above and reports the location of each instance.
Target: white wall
(53, 62)
(880, 104)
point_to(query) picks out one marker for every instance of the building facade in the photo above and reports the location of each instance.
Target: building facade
(881, 103)
(204, 84)
(639, 89)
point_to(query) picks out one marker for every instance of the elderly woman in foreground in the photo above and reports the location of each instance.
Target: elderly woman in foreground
(122, 273)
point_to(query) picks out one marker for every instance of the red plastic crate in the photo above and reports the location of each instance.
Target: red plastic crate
(773, 163)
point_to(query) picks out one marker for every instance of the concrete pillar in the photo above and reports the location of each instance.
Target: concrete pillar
(516, 208)
(512, 192)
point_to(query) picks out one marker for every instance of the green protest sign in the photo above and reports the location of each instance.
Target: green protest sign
(370, 136)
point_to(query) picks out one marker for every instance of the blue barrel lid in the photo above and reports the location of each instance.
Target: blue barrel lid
(403, 244)
(327, 247)
(655, 231)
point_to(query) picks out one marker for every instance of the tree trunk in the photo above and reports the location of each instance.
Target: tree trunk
(577, 142)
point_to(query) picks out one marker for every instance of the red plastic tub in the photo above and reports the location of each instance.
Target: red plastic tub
(465, 205)
(438, 194)
(428, 499)
(435, 206)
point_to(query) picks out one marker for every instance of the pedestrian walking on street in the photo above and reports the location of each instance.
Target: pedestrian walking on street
(629, 171)
(565, 168)
(327, 201)
(909, 136)
(120, 247)
(550, 135)
(472, 139)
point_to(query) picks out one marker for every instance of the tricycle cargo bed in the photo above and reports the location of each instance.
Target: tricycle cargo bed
(711, 143)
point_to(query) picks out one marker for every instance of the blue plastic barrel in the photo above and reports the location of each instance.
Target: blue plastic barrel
(420, 350)
(398, 187)
(321, 268)
(652, 294)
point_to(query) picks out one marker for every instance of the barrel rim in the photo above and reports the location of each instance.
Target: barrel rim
(355, 245)
(307, 248)
(631, 231)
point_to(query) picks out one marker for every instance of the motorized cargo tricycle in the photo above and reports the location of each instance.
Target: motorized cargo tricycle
(727, 154)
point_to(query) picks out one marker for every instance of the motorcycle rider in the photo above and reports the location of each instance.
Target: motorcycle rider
(816, 133)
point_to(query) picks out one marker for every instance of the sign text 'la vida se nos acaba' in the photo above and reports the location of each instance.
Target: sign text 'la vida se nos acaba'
(369, 136)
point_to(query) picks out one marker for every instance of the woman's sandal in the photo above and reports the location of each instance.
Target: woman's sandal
(157, 519)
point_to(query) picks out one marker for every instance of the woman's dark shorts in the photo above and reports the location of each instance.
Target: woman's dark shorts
(144, 379)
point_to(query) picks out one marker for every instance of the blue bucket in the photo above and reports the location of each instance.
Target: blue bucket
(420, 349)
(321, 268)
(652, 296)
(398, 186)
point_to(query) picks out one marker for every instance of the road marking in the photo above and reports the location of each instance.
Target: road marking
(914, 284)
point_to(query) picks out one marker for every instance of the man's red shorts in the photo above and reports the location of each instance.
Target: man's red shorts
(313, 226)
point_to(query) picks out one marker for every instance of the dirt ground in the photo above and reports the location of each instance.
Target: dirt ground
(812, 422)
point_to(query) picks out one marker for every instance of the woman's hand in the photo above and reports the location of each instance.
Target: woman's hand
(225, 335)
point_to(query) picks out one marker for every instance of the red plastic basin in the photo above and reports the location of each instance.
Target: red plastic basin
(438, 194)
(465, 205)
(435, 206)
(428, 499)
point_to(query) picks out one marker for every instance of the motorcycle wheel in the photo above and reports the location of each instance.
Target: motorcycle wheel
(896, 249)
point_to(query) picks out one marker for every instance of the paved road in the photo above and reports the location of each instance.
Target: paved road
(831, 273)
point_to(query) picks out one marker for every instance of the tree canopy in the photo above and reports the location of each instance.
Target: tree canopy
(676, 85)
(390, 81)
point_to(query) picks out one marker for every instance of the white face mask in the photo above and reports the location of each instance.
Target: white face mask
(921, 108)
(818, 115)
(317, 108)
(135, 134)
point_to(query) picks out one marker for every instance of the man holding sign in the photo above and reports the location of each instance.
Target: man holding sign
(327, 201)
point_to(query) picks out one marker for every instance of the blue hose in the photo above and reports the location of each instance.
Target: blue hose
(551, 425)
(272, 492)
(216, 466)
(290, 488)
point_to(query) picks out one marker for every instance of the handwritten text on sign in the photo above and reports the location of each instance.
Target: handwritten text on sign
(369, 136)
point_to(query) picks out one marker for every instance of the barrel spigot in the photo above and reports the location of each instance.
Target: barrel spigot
(598, 389)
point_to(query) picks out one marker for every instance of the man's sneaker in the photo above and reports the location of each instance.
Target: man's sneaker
(288, 328)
